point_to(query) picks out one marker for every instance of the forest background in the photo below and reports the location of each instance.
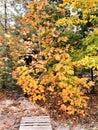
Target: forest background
(51, 52)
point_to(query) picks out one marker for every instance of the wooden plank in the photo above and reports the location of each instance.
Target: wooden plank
(36, 127)
(36, 119)
(35, 123)
(30, 128)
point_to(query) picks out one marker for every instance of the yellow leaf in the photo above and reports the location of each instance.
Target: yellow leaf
(63, 107)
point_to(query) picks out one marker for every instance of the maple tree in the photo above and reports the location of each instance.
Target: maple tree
(83, 20)
(50, 77)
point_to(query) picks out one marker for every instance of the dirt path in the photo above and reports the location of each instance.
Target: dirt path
(13, 107)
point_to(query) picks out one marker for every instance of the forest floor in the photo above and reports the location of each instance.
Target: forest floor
(14, 106)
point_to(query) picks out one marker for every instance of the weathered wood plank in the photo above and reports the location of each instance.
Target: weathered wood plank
(42, 121)
(36, 118)
(35, 127)
(35, 123)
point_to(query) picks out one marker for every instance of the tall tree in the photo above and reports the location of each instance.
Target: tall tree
(50, 76)
(11, 11)
(84, 19)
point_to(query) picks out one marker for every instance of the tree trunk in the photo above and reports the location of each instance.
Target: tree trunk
(92, 79)
(5, 12)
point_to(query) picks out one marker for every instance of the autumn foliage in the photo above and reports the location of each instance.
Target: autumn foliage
(50, 77)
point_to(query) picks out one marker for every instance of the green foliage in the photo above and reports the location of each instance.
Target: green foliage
(6, 79)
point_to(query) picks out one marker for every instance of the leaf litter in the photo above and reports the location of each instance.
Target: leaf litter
(14, 106)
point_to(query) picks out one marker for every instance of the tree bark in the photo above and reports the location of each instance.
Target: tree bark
(92, 79)
(5, 13)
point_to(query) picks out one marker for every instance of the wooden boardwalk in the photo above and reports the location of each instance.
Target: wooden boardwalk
(35, 123)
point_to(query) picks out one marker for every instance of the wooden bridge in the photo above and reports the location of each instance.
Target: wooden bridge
(35, 123)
